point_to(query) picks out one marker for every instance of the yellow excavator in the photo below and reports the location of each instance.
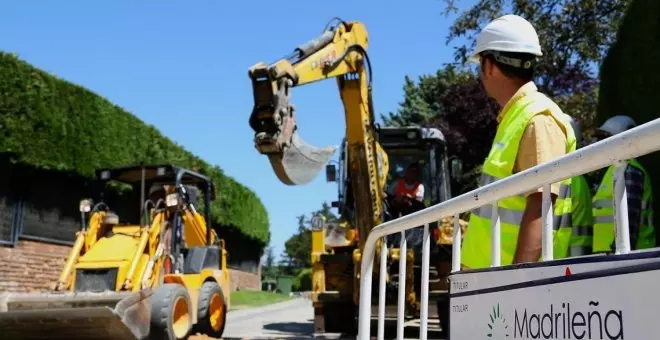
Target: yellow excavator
(162, 277)
(369, 163)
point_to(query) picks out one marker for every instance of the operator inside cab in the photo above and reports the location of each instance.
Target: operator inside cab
(407, 196)
(408, 192)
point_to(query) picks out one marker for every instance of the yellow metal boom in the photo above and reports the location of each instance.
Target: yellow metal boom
(340, 52)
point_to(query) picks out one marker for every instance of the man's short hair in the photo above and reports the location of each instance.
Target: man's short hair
(513, 64)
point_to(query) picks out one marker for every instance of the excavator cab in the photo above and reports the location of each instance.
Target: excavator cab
(154, 269)
(340, 54)
(403, 146)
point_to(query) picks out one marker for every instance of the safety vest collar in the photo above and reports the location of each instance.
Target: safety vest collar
(525, 90)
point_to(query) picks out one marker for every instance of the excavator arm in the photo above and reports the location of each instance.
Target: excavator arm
(340, 52)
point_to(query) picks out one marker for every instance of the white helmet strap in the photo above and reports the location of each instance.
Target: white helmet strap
(515, 62)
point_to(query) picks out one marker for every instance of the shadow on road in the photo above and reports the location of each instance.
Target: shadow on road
(292, 328)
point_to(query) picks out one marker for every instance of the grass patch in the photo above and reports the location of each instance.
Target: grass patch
(255, 298)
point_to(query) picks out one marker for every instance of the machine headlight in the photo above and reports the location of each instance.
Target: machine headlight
(85, 205)
(172, 200)
(411, 134)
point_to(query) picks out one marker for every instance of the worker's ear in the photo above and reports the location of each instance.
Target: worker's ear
(488, 67)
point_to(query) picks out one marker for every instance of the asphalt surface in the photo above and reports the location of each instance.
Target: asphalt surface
(285, 320)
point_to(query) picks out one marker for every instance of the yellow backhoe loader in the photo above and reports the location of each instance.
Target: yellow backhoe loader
(162, 277)
(370, 156)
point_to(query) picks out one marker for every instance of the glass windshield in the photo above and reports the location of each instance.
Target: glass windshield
(399, 160)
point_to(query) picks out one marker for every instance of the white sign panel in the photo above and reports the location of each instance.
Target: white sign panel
(623, 306)
(467, 281)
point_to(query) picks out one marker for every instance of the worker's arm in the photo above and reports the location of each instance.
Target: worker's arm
(420, 193)
(531, 230)
(542, 141)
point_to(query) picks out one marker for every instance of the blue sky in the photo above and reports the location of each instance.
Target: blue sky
(167, 62)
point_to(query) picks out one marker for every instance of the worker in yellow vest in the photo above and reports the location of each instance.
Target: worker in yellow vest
(582, 221)
(639, 193)
(531, 130)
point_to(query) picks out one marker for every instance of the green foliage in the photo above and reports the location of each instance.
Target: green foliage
(420, 100)
(454, 101)
(269, 270)
(298, 248)
(629, 80)
(303, 281)
(50, 123)
(574, 36)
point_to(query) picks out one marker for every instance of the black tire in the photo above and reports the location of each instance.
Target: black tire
(162, 312)
(340, 318)
(204, 325)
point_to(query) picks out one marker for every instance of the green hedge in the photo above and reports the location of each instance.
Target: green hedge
(50, 123)
(629, 78)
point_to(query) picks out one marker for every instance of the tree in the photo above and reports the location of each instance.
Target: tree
(454, 101)
(629, 82)
(469, 121)
(574, 36)
(285, 264)
(298, 248)
(420, 100)
(269, 270)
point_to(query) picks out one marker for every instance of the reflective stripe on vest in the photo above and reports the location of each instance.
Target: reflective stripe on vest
(499, 164)
(582, 218)
(603, 212)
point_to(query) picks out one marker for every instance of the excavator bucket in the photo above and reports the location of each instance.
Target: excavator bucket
(273, 121)
(300, 162)
(107, 315)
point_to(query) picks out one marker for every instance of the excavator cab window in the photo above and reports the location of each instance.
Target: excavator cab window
(400, 159)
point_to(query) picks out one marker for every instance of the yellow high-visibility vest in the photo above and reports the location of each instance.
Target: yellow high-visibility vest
(581, 217)
(604, 229)
(499, 164)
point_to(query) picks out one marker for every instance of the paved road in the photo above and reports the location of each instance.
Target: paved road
(286, 320)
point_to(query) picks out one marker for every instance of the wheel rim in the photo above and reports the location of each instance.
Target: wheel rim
(180, 317)
(216, 309)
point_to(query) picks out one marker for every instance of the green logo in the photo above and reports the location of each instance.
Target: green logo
(497, 327)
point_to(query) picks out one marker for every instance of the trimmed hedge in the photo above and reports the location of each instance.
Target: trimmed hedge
(629, 77)
(50, 123)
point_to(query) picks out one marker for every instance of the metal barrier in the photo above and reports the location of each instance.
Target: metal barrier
(617, 150)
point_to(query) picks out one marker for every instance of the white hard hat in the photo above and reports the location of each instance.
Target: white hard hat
(508, 33)
(617, 124)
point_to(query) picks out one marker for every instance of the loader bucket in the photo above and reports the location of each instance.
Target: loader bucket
(300, 162)
(109, 315)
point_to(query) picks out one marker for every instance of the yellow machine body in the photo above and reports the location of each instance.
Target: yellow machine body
(340, 53)
(116, 273)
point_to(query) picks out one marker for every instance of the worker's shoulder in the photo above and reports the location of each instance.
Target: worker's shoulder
(544, 106)
(544, 122)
